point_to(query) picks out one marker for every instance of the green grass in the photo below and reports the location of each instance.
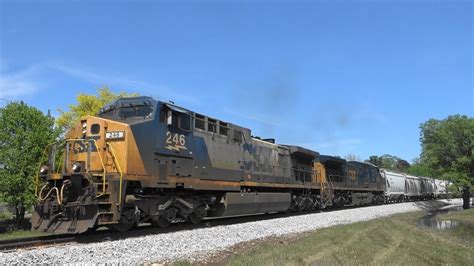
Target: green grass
(394, 240)
(20, 234)
(182, 263)
(5, 216)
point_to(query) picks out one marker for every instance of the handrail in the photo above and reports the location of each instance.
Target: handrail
(119, 169)
(101, 162)
(66, 141)
(36, 181)
(60, 164)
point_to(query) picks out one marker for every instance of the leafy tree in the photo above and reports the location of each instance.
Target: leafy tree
(374, 159)
(87, 105)
(389, 162)
(402, 165)
(24, 133)
(448, 148)
(418, 168)
(353, 157)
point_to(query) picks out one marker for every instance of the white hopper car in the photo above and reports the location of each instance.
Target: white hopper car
(403, 187)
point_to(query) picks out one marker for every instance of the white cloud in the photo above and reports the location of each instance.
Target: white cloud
(145, 88)
(30, 80)
(18, 84)
(94, 77)
(14, 87)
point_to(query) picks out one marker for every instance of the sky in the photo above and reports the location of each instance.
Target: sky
(338, 77)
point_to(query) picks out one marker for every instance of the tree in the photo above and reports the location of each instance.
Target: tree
(448, 148)
(402, 165)
(389, 162)
(418, 168)
(87, 105)
(353, 157)
(24, 133)
(374, 159)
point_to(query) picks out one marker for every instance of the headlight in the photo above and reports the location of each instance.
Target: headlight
(44, 170)
(76, 167)
(84, 128)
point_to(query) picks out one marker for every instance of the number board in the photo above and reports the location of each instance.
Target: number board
(175, 141)
(115, 135)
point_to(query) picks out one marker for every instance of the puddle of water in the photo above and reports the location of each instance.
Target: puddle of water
(437, 224)
(431, 220)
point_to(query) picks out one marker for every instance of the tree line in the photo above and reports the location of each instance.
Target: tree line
(447, 146)
(447, 152)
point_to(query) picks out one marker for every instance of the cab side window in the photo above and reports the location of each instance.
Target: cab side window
(176, 119)
(185, 121)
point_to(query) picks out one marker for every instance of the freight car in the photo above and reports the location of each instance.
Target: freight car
(395, 186)
(142, 160)
(403, 187)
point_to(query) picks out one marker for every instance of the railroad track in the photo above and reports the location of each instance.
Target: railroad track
(30, 242)
(146, 229)
(11, 245)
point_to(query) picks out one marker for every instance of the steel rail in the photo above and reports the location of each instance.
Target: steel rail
(29, 242)
(12, 245)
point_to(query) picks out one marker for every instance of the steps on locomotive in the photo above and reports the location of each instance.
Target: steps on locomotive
(106, 215)
(104, 206)
(103, 196)
(100, 186)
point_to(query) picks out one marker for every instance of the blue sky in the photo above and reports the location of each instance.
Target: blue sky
(338, 77)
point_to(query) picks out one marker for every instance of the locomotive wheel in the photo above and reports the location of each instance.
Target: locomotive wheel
(159, 221)
(194, 219)
(198, 214)
(122, 227)
(127, 221)
(164, 220)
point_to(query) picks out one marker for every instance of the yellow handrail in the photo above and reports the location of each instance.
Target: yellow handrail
(119, 169)
(36, 181)
(60, 164)
(101, 162)
(59, 193)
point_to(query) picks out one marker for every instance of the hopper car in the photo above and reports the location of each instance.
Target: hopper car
(404, 187)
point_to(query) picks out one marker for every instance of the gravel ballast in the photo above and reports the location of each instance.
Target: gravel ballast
(198, 243)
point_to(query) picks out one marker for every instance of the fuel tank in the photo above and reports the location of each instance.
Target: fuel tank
(235, 203)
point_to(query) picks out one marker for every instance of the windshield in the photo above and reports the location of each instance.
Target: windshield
(135, 109)
(107, 111)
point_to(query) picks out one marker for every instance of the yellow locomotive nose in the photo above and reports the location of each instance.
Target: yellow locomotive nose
(93, 155)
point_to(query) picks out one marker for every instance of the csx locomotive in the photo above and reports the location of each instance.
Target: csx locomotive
(141, 160)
